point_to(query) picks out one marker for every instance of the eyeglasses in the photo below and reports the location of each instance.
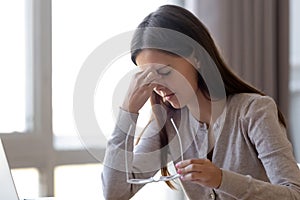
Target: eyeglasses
(152, 179)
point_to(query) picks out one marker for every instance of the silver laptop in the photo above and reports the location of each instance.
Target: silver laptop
(7, 187)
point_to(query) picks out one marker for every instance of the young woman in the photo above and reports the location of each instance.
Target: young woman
(226, 139)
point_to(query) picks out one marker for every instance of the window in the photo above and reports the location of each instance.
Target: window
(295, 75)
(12, 70)
(77, 31)
(45, 43)
(83, 178)
(75, 36)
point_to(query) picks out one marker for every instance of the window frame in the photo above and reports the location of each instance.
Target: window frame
(34, 148)
(38, 137)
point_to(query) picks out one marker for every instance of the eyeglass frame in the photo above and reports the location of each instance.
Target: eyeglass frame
(152, 179)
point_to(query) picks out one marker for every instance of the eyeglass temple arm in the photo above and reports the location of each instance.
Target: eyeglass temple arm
(126, 152)
(126, 146)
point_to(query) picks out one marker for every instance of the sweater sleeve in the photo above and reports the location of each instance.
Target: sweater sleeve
(114, 177)
(269, 138)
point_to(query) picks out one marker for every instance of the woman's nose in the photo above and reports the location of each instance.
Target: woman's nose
(159, 87)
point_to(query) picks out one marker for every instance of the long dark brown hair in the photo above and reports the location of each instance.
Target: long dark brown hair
(171, 17)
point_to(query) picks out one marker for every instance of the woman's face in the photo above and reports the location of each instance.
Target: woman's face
(178, 77)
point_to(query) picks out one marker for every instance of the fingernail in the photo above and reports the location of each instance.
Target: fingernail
(182, 178)
(179, 171)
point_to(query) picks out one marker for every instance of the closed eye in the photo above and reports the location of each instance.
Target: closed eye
(164, 70)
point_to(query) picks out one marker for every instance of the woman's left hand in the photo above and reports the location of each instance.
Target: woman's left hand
(200, 171)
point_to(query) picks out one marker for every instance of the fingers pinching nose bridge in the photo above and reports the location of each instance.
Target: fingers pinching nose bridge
(149, 75)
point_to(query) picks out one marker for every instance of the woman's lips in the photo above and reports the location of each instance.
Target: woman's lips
(169, 96)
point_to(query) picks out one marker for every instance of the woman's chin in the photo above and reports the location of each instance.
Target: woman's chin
(175, 105)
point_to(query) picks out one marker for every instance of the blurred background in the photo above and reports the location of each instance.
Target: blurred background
(45, 42)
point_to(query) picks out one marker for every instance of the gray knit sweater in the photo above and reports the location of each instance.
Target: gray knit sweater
(248, 144)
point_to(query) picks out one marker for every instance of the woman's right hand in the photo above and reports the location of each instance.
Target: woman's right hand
(140, 89)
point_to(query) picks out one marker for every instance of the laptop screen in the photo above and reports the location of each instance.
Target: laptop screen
(7, 187)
